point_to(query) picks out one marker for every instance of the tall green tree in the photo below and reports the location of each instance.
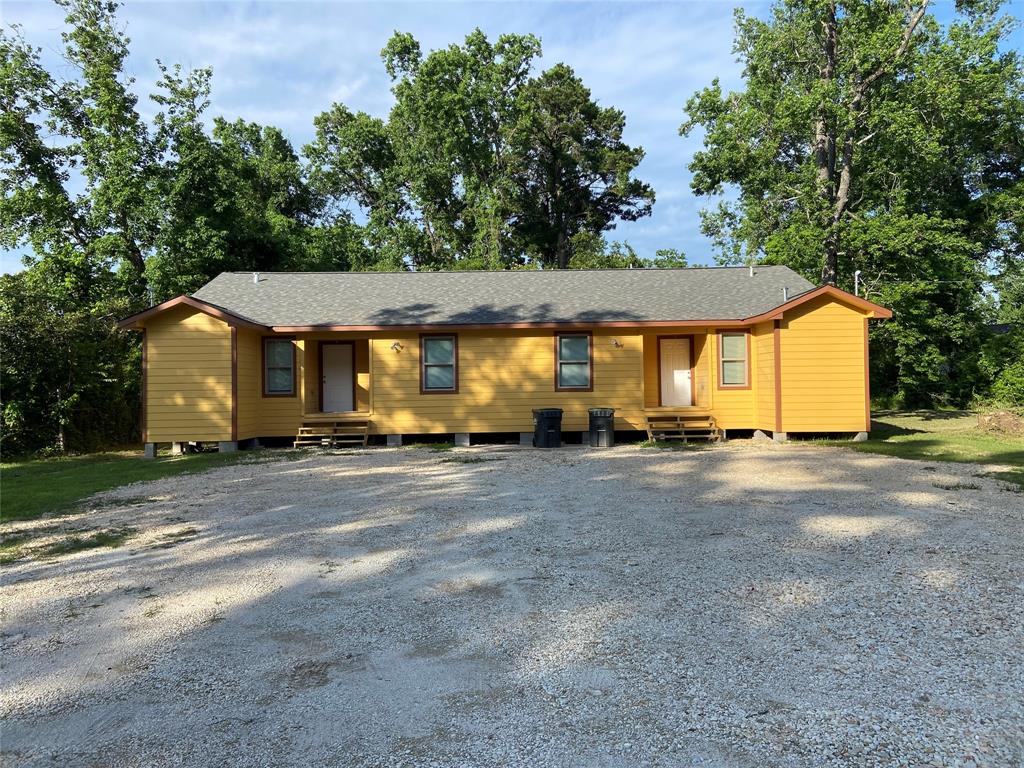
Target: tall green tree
(77, 164)
(573, 170)
(868, 137)
(117, 211)
(480, 165)
(352, 163)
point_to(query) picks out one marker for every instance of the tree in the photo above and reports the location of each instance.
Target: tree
(868, 137)
(574, 172)
(101, 141)
(69, 376)
(353, 161)
(234, 200)
(592, 251)
(479, 165)
(116, 211)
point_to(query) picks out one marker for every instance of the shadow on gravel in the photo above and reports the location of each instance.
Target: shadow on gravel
(571, 607)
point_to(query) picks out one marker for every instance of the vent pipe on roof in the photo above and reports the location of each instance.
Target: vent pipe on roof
(751, 270)
(256, 277)
(785, 294)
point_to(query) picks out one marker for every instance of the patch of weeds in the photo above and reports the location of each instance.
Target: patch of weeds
(113, 537)
(1014, 479)
(470, 459)
(702, 446)
(122, 501)
(958, 486)
(676, 445)
(168, 540)
(12, 547)
(435, 447)
(152, 611)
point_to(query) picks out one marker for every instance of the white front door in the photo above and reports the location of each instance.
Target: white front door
(675, 372)
(337, 377)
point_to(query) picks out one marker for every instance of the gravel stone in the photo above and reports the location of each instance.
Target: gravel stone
(744, 605)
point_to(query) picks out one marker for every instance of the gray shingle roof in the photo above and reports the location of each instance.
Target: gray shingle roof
(464, 298)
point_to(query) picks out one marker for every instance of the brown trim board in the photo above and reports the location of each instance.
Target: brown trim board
(777, 360)
(234, 383)
(132, 321)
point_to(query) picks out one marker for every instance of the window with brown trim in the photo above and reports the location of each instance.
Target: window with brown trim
(278, 367)
(573, 361)
(733, 360)
(439, 363)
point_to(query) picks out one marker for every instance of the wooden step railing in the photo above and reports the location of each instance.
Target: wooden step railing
(682, 426)
(332, 434)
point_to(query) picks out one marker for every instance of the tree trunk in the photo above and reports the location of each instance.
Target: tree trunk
(825, 145)
(839, 194)
(562, 247)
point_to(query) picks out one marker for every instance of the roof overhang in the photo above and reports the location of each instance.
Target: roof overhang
(138, 320)
(869, 307)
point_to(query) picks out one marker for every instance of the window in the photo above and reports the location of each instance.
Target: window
(278, 367)
(439, 362)
(732, 355)
(572, 361)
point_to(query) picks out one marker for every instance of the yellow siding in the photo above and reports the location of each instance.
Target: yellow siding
(260, 416)
(732, 408)
(503, 375)
(823, 387)
(764, 374)
(188, 377)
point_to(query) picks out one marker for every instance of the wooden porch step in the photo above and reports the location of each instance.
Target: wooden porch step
(682, 426)
(331, 434)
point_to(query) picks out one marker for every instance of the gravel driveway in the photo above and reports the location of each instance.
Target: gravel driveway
(743, 605)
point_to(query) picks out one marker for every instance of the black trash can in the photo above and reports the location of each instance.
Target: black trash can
(547, 427)
(602, 427)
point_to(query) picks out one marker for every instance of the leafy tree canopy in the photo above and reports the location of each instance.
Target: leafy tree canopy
(870, 138)
(479, 164)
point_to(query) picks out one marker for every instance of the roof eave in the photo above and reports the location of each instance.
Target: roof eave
(138, 320)
(873, 310)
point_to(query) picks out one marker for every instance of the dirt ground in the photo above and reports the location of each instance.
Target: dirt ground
(744, 605)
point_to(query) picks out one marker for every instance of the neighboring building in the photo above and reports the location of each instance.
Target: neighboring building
(263, 355)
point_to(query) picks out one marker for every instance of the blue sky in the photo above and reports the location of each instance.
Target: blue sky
(281, 63)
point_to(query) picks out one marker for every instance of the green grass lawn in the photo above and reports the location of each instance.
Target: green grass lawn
(942, 436)
(30, 489)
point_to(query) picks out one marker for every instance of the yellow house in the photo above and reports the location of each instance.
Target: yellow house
(343, 354)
